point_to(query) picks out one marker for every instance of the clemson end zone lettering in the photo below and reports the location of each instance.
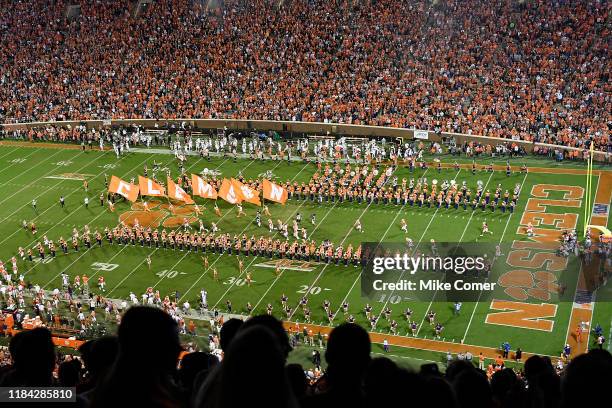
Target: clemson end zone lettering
(523, 315)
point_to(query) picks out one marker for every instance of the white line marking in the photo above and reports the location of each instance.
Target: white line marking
(93, 246)
(414, 251)
(500, 241)
(341, 243)
(467, 224)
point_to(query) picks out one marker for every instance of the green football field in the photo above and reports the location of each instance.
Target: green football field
(45, 174)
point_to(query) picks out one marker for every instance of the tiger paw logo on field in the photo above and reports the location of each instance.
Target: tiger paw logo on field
(521, 284)
(164, 214)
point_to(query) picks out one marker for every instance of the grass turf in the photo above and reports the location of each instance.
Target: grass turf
(25, 173)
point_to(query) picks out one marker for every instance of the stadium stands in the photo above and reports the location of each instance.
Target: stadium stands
(512, 69)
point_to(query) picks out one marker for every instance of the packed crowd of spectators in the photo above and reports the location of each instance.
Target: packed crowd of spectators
(138, 367)
(524, 70)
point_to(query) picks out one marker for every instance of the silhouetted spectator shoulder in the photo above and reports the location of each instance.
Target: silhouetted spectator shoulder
(348, 358)
(33, 355)
(143, 372)
(252, 374)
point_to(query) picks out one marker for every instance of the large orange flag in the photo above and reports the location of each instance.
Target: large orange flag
(202, 188)
(274, 192)
(150, 188)
(177, 193)
(248, 194)
(123, 188)
(230, 193)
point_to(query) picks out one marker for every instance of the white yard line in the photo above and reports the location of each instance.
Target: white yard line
(361, 272)
(341, 243)
(255, 257)
(460, 240)
(9, 153)
(500, 241)
(34, 181)
(593, 303)
(283, 270)
(415, 249)
(327, 264)
(39, 214)
(16, 163)
(14, 149)
(156, 249)
(227, 212)
(98, 270)
(79, 207)
(93, 246)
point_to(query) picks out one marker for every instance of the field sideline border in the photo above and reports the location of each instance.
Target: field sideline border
(50, 145)
(585, 312)
(416, 343)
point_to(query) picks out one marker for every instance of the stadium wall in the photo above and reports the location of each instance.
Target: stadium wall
(314, 128)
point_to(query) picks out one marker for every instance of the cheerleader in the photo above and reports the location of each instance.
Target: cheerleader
(358, 226)
(266, 211)
(485, 229)
(240, 210)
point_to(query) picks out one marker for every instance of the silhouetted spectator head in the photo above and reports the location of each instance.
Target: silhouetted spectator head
(297, 379)
(275, 326)
(191, 365)
(148, 354)
(253, 372)
(503, 383)
(472, 389)
(457, 367)
(149, 338)
(208, 383)
(587, 378)
(435, 386)
(33, 356)
(348, 353)
(545, 389)
(537, 365)
(99, 355)
(383, 375)
(430, 370)
(69, 373)
(85, 351)
(228, 331)
(380, 376)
